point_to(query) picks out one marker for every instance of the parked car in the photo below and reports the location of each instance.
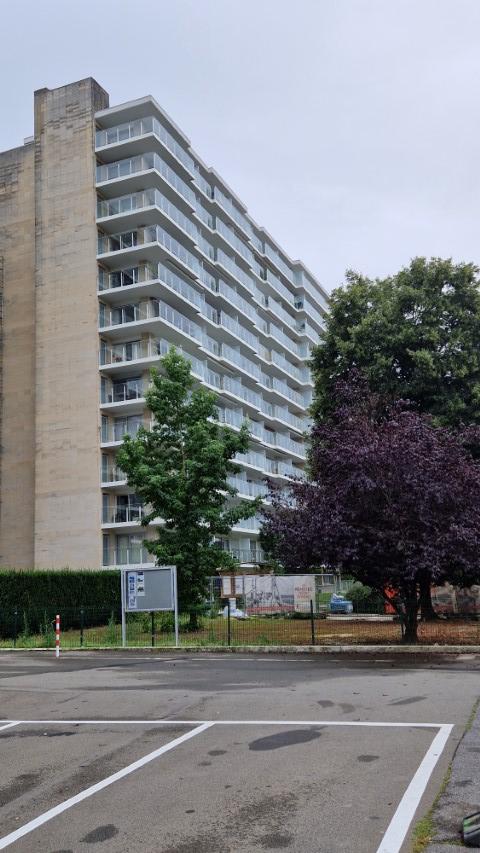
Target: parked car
(339, 604)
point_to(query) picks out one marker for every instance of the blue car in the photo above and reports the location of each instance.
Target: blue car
(339, 604)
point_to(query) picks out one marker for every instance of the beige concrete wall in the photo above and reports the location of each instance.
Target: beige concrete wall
(67, 459)
(17, 342)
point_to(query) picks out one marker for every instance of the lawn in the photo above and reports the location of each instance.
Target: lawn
(260, 630)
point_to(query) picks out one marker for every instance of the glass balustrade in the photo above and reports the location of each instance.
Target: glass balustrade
(274, 256)
(237, 358)
(154, 198)
(108, 280)
(279, 286)
(238, 330)
(140, 127)
(231, 417)
(122, 390)
(247, 487)
(229, 235)
(112, 473)
(237, 300)
(143, 163)
(132, 555)
(237, 272)
(122, 513)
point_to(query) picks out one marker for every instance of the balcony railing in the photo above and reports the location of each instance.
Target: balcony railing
(252, 524)
(112, 473)
(154, 197)
(127, 556)
(125, 277)
(121, 514)
(143, 163)
(247, 556)
(116, 432)
(246, 487)
(122, 392)
(108, 243)
(140, 127)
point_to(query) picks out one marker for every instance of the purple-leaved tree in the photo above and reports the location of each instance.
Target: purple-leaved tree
(390, 500)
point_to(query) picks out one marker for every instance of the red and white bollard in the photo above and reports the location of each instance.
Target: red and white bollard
(57, 636)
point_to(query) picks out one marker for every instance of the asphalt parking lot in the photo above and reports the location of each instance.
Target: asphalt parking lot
(221, 753)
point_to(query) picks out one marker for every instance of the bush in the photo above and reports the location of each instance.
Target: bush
(364, 599)
(37, 596)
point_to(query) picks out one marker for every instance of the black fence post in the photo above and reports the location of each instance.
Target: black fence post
(82, 623)
(229, 627)
(312, 622)
(15, 627)
(152, 616)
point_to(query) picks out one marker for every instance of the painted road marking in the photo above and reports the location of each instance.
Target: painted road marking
(9, 725)
(161, 722)
(399, 825)
(397, 830)
(93, 789)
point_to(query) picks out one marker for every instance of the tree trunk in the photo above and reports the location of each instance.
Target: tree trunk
(410, 615)
(194, 622)
(426, 607)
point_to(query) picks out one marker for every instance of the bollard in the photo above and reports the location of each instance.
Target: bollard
(152, 614)
(229, 627)
(82, 621)
(15, 627)
(57, 636)
(312, 622)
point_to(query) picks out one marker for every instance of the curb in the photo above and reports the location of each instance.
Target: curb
(276, 650)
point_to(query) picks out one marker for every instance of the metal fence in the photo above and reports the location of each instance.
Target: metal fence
(101, 627)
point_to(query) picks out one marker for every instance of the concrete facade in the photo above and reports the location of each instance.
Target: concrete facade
(17, 361)
(117, 242)
(67, 455)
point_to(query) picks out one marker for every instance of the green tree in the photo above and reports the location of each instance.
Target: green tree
(180, 469)
(414, 336)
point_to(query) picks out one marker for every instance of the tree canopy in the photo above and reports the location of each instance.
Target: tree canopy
(179, 469)
(414, 335)
(391, 499)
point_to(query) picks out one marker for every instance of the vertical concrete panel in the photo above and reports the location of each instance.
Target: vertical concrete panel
(67, 463)
(17, 345)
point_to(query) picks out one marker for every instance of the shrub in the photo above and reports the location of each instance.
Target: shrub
(364, 599)
(37, 596)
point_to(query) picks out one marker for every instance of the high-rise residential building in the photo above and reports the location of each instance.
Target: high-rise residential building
(116, 242)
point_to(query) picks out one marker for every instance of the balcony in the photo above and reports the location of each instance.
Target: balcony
(133, 555)
(119, 513)
(143, 163)
(112, 473)
(122, 390)
(142, 127)
(113, 433)
(154, 198)
(248, 556)
(248, 488)
(126, 277)
(131, 351)
(250, 524)
(109, 244)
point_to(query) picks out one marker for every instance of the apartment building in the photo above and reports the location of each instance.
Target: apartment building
(116, 242)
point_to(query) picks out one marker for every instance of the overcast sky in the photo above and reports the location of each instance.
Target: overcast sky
(349, 128)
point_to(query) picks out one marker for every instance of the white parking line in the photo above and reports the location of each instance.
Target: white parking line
(399, 825)
(397, 830)
(93, 789)
(160, 722)
(9, 725)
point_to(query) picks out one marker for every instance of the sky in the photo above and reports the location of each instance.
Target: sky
(349, 128)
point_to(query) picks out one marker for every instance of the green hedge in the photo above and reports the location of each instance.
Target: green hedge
(29, 598)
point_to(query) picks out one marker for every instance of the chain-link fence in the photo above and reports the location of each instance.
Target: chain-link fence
(223, 626)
